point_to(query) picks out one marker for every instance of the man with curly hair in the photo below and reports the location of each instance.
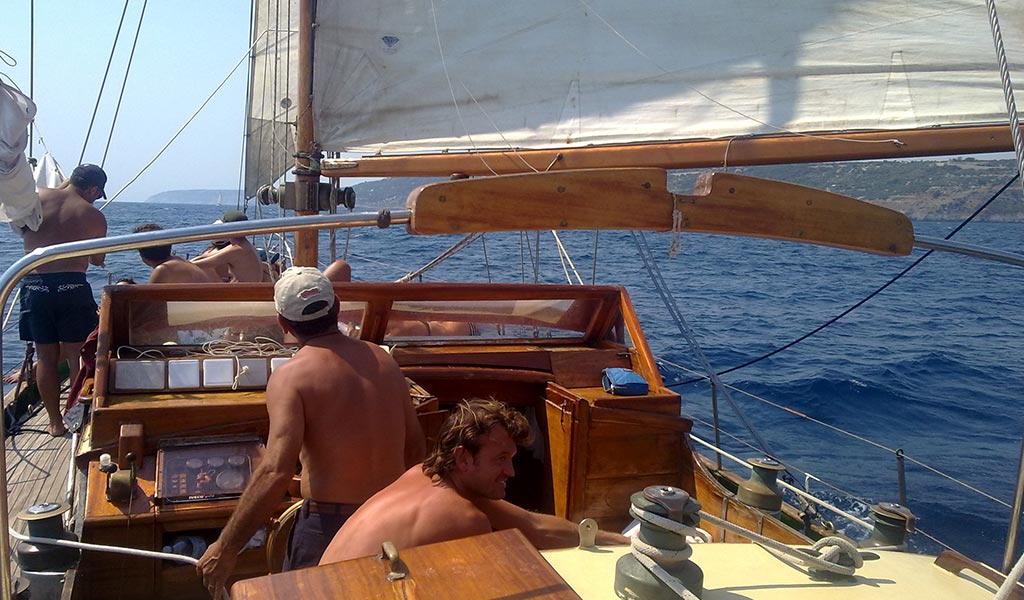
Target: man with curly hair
(457, 492)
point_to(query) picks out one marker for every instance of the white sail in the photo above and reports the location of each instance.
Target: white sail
(399, 76)
(270, 137)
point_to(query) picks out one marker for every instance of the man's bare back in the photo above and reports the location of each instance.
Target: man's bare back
(67, 217)
(352, 394)
(457, 492)
(178, 270)
(412, 511)
(240, 258)
(340, 406)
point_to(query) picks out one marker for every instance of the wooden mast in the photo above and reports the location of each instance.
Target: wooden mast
(307, 166)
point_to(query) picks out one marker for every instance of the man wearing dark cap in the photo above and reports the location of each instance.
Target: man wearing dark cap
(57, 307)
(238, 260)
(342, 407)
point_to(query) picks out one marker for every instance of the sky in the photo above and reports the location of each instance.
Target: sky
(185, 49)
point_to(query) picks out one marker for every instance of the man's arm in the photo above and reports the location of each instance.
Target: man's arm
(99, 231)
(267, 486)
(545, 532)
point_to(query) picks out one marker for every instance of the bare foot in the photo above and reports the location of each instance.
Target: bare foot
(56, 431)
(13, 376)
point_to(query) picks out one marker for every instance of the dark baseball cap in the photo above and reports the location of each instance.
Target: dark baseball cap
(233, 216)
(87, 175)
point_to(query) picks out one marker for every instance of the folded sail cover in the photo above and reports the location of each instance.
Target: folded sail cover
(19, 202)
(432, 75)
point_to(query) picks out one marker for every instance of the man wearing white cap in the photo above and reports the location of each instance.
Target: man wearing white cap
(342, 407)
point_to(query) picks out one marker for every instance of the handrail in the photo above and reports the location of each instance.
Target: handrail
(49, 254)
(788, 486)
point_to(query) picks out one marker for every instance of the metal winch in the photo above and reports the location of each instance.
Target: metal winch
(892, 522)
(44, 565)
(660, 547)
(762, 490)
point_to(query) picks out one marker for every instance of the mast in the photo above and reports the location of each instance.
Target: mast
(307, 163)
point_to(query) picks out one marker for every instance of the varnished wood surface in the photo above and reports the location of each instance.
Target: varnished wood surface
(638, 198)
(500, 565)
(742, 205)
(635, 198)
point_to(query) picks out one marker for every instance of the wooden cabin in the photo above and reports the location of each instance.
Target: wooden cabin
(180, 401)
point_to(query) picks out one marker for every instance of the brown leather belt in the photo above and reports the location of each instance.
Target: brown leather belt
(330, 508)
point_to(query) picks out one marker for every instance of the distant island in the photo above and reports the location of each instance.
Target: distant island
(922, 189)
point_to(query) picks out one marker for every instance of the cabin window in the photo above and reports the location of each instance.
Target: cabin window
(490, 319)
(194, 323)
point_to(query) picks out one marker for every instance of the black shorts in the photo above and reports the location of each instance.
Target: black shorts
(56, 307)
(315, 526)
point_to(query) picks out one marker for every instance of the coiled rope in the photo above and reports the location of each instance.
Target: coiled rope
(830, 549)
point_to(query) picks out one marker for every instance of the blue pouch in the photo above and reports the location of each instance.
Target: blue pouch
(623, 382)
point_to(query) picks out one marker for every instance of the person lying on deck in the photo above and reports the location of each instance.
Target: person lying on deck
(457, 492)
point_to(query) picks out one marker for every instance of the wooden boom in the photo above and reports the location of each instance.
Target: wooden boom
(638, 198)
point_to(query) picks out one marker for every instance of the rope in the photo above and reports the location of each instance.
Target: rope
(102, 548)
(1004, 77)
(487, 261)
(866, 298)
(662, 288)
(453, 250)
(676, 246)
(563, 256)
(1010, 583)
(831, 549)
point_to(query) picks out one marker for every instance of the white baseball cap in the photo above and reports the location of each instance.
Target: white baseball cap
(303, 294)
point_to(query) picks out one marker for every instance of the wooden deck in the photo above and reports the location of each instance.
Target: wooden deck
(37, 469)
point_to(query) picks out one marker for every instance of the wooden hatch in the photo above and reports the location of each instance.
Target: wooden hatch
(495, 565)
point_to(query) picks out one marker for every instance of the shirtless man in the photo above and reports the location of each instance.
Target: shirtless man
(457, 492)
(168, 268)
(342, 406)
(339, 271)
(239, 259)
(57, 308)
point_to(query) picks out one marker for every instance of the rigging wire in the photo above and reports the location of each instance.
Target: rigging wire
(861, 302)
(124, 82)
(103, 84)
(177, 133)
(662, 288)
(1004, 77)
(852, 435)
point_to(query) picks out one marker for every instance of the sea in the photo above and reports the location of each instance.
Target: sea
(932, 367)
